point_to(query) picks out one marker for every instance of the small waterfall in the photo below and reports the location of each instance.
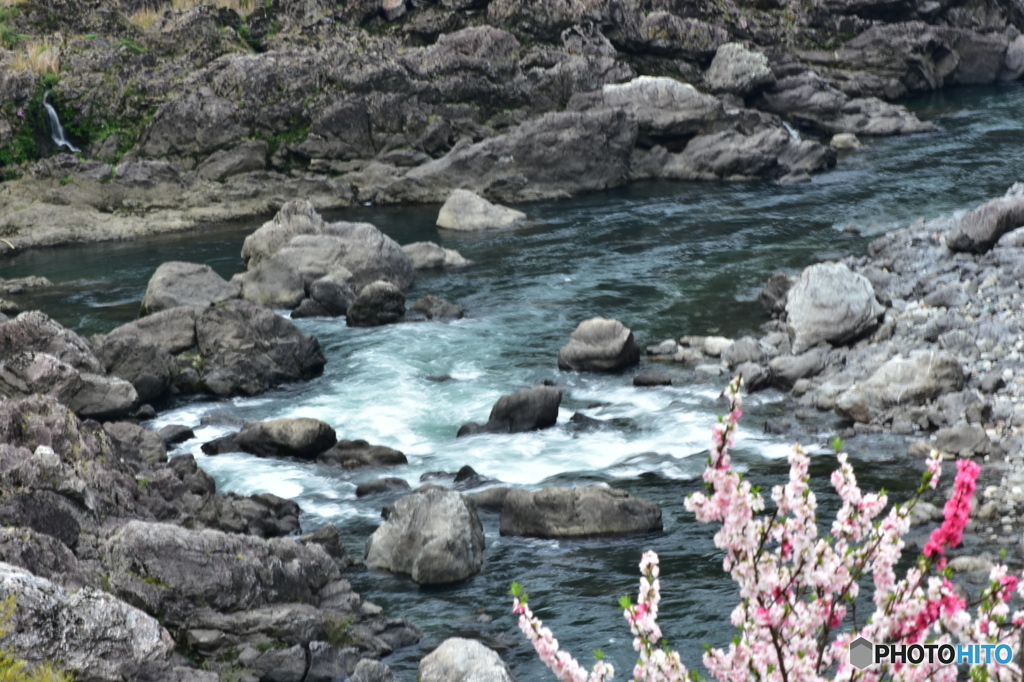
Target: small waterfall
(56, 129)
(792, 132)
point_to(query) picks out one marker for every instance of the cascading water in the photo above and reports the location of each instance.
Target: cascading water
(56, 129)
(792, 132)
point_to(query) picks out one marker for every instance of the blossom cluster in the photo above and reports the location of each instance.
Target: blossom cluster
(796, 587)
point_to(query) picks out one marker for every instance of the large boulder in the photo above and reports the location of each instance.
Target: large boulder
(185, 284)
(333, 292)
(87, 394)
(528, 409)
(830, 303)
(468, 212)
(294, 218)
(428, 255)
(174, 331)
(463, 660)
(665, 109)
(93, 633)
(378, 303)
(358, 453)
(283, 279)
(434, 535)
(35, 331)
(149, 368)
(303, 438)
(576, 512)
(431, 307)
(599, 345)
(902, 381)
(738, 71)
(979, 230)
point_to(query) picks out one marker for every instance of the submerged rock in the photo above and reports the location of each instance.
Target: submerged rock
(434, 535)
(433, 308)
(468, 212)
(359, 453)
(576, 512)
(528, 409)
(463, 660)
(599, 345)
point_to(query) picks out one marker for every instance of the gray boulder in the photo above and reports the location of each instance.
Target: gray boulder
(830, 303)
(964, 440)
(35, 331)
(465, 211)
(788, 369)
(246, 157)
(463, 660)
(135, 442)
(372, 671)
(903, 381)
(173, 330)
(91, 632)
(433, 534)
(979, 230)
(428, 256)
(528, 409)
(738, 71)
(431, 307)
(185, 284)
(149, 368)
(773, 294)
(576, 512)
(333, 292)
(599, 345)
(380, 486)
(294, 218)
(358, 453)
(89, 395)
(664, 108)
(378, 303)
(747, 349)
(303, 438)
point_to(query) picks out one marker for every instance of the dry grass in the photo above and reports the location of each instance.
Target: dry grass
(40, 56)
(10, 3)
(243, 7)
(144, 18)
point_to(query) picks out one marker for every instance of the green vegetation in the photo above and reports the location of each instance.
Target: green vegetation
(14, 669)
(337, 630)
(8, 37)
(132, 46)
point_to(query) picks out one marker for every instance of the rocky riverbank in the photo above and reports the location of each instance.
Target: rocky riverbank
(188, 115)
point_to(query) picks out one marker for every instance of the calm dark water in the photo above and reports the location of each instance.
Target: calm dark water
(666, 259)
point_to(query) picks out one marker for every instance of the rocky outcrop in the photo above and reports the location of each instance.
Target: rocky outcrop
(465, 211)
(463, 660)
(599, 345)
(428, 256)
(979, 230)
(377, 304)
(738, 71)
(528, 409)
(914, 380)
(177, 284)
(830, 303)
(434, 535)
(576, 512)
(303, 438)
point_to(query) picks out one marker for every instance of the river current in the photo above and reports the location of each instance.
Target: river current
(667, 259)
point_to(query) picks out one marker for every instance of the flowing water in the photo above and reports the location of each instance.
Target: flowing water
(666, 259)
(56, 129)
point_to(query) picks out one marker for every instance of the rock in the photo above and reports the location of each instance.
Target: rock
(90, 395)
(756, 377)
(283, 279)
(528, 409)
(372, 671)
(467, 212)
(133, 441)
(969, 564)
(172, 434)
(947, 297)
(667, 347)
(303, 438)
(379, 486)
(576, 512)
(788, 369)
(738, 71)
(747, 349)
(246, 349)
(1013, 64)
(492, 499)
(666, 110)
(296, 217)
(245, 157)
(378, 304)
(966, 440)
(41, 555)
(433, 308)
(428, 255)
(844, 141)
(333, 292)
(393, 9)
(773, 294)
(172, 330)
(652, 379)
(221, 446)
(715, 346)
(91, 632)
(463, 660)
(35, 331)
(599, 345)
(358, 453)
(830, 303)
(979, 230)
(904, 381)
(150, 369)
(185, 284)
(309, 308)
(433, 534)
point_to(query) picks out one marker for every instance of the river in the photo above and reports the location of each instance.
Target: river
(666, 259)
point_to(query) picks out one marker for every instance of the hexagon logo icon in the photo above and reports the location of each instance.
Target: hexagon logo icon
(861, 653)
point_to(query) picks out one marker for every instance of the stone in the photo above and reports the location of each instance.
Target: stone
(652, 379)
(599, 345)
(359, 453)
(172, 434)
(35, 331)
(528, 409)
(431, 307)
(830, 303)
(333, 292)
(903, 381)
(738, 71)
(303, 438)
(135, 442)
(172, 330)
(844, 141)
(466, 211)
(1013, 63)
(428, 256)
(149, 368)
(788, 369)
(665, 108)
(774, 293)
(433, 534)
(245, 157)
(379, 486)
(576, 512)
(177, 284)
(965, 440)
(979, 230)
(378, 304)
(463, 660)
(747, 349)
